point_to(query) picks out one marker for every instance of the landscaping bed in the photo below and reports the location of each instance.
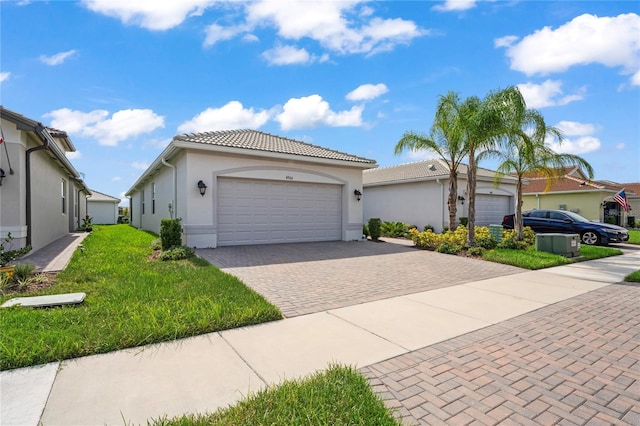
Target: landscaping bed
(131, 301)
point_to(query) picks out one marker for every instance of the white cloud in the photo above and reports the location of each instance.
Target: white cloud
(587, 39)
(574, 128)
(620, 146)
(579, 138)
(635, 79)
(290, 55)
(506, 41)
(149, 14)
(116, 179)
(548, 93)
(140, 165)
(231, 116)
(121, 126)
(215, 33)
(367, 92)
(58, 58)
(4, 76)
(312, 111)
(455, 5)
(75, 155)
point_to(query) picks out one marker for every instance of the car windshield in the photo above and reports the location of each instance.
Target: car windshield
(576, 217)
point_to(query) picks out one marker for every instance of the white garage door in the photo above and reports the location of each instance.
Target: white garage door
(490, 209)
(266, 212)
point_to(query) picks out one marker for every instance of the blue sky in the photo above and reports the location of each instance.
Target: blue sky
(123, 77)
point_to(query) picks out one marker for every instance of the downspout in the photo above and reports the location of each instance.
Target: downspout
(45, 145)
(441, 202)
(538, 201)
(175, 186)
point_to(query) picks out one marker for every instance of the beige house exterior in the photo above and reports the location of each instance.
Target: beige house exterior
(575, 192)
(245, 187)
(42, 196)
(102, 208)
(416, 193)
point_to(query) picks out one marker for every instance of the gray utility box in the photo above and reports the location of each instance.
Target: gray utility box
(567, 245)
(496, 232)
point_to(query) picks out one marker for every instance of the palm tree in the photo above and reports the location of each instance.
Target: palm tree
(445, 140)
(524, 149)
(479, 126)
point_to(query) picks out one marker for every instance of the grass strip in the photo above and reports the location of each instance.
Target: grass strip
(633, 277)
(634, 236)
(532, 259)
(338, 396)
(131, 301)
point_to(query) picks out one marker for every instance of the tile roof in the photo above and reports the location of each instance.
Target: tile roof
(99, 196)
(261, 141)
(418, 171)
(574, 184)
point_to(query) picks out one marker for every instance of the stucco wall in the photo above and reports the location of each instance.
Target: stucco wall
(587, 203)
(12, 191)
(417, 203)
(48, 222)
(103, 212)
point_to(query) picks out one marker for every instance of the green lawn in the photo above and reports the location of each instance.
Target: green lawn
(532, 259)
(131, 301)
(633, 277)
(634, 236)
(338, 396)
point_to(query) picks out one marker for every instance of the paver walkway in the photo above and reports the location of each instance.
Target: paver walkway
(574, 362)
(314, 277)
(55, 256)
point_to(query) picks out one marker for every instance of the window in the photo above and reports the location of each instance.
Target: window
(153, 198)
(142, 202)
(63, 194)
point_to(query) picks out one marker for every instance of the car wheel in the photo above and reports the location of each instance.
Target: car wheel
(590, 237)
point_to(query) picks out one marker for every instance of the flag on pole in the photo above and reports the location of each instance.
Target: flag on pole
(621, 198)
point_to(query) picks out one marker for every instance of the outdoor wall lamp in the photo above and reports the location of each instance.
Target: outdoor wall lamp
(202, 187)
(358, 194)
(461, 199)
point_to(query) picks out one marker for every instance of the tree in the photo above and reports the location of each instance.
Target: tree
(524, 149)
(446, 141)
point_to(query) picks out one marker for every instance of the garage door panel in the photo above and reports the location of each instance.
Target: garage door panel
(261, 212)
(491, 208)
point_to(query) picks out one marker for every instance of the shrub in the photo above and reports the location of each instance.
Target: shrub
(156, 244)
(393, 229)
(177, 253)
(374, 228)
(428, 228)
(87, 224)
(7, 255)
(6, 283)
(427, 240)
(23, 271)
(610, 220)
(448, 248)
(510, 241)
(170, 233)
(464, 221)
(365, 230)
(631, 221)
(476, 251)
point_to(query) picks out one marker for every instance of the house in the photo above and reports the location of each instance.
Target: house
(42, 196)
(574, 191)
(241, 187)
(102, 208)
(416, 193)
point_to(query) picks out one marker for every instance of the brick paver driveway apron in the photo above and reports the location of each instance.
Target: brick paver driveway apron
(304, 278)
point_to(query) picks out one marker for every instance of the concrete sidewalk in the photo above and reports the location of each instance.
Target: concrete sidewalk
(207, 372)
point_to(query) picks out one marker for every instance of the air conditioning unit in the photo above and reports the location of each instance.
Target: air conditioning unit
(575, 210)
(567, 245)
(562, 207)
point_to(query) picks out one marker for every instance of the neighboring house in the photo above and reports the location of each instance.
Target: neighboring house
(42, 196)
(417, 193)
(248, 187)
(574, 191)
(102, 208)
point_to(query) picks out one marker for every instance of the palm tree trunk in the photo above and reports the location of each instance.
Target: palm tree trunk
(471, 195)
(453, 198)
(517, 218)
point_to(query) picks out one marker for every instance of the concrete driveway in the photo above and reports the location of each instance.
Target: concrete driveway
(304, 278)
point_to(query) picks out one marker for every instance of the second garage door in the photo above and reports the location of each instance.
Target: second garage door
(265, 212)
(490, 209)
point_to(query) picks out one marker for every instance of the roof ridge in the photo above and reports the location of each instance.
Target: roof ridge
(102, 193)
(401, 165)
